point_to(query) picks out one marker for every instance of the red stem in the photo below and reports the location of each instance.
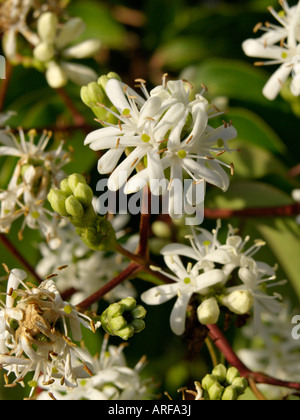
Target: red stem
(130, 271)
(13, 250)
(280, 211)
(223, 345)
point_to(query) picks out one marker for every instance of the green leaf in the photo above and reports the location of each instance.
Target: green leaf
(243, 194)
(99, 22)
(253, 162)
(255, 130)
(232, 78)
(283, 237)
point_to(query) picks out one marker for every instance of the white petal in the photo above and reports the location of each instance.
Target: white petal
(85, 49)
(156, 173)
(56, 76)
(71, 30)
(119, 177)
(209, 279)
(159, 294)
(255, 48)
(178, 314)
(172, 116)
(15, 278)
(102, 133)
(113, 142)
(109, 161)
(274, 85)
(174, 263)
(9, 151)
(79, 74)
(115, 92)
(178, 249)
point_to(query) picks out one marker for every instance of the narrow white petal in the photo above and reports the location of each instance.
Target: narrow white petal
(79, 73)
(274, 85)
(159, 294)
(178, 314)
(109, 160)
(256, 48)
(209, 279)
(102, 133)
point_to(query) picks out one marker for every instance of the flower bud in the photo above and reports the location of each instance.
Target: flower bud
(208, 381)
(55, 75)
(161, 230)
(239, 302)
(57, 200)
(208, 312)
(105, 78)
(75, 179)
(92, 94)
(64, 186)
(230, 394)
(84, 194)
(74, 207)
(219, 372)
(123, 318)
(232, 373)
(240, 384)
(215, 392)
(47, 27)
(44, 52)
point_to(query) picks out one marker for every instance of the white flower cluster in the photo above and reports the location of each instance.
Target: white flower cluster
(112, 379)
(274, 351)
(36, 170)
(35, 329)
(166, 137)
(209, 273)
(280, 44)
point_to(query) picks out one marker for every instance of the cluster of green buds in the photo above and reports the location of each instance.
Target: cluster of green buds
(74, 200)
(223, 384)
(123, 319)
(94, 96)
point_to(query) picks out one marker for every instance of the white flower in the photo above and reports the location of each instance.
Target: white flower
(13, 17)
(187, 281)
(87, 271)
(279, 45)
(54, 51)
(167, 129)
(35, 172)
(253, 277)
(35, 329)
(112, 379)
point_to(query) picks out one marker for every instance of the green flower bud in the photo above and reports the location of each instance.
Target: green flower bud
(75, 179)
(64, 186)
(92, 94)
(230, 394)
(84, 194)
(208, 381)
(232, 373)
(105, 78)
(240, 384)
(124, 318)
(57, 200)
(219, 372)
(162, 230)
(74, 207)
(215, 392)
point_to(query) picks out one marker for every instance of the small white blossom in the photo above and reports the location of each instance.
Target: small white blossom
(54, 51)
(36, 171)
(35, 329)
(254, 277)
(112, 379)
(280, 45)
(186, 282)
(165, 131)
(13, 20)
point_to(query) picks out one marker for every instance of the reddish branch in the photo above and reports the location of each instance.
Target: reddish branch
(16, 253)
(279, 211)
(223, 345)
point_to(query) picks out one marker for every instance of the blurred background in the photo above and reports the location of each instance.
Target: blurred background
(199, 41)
